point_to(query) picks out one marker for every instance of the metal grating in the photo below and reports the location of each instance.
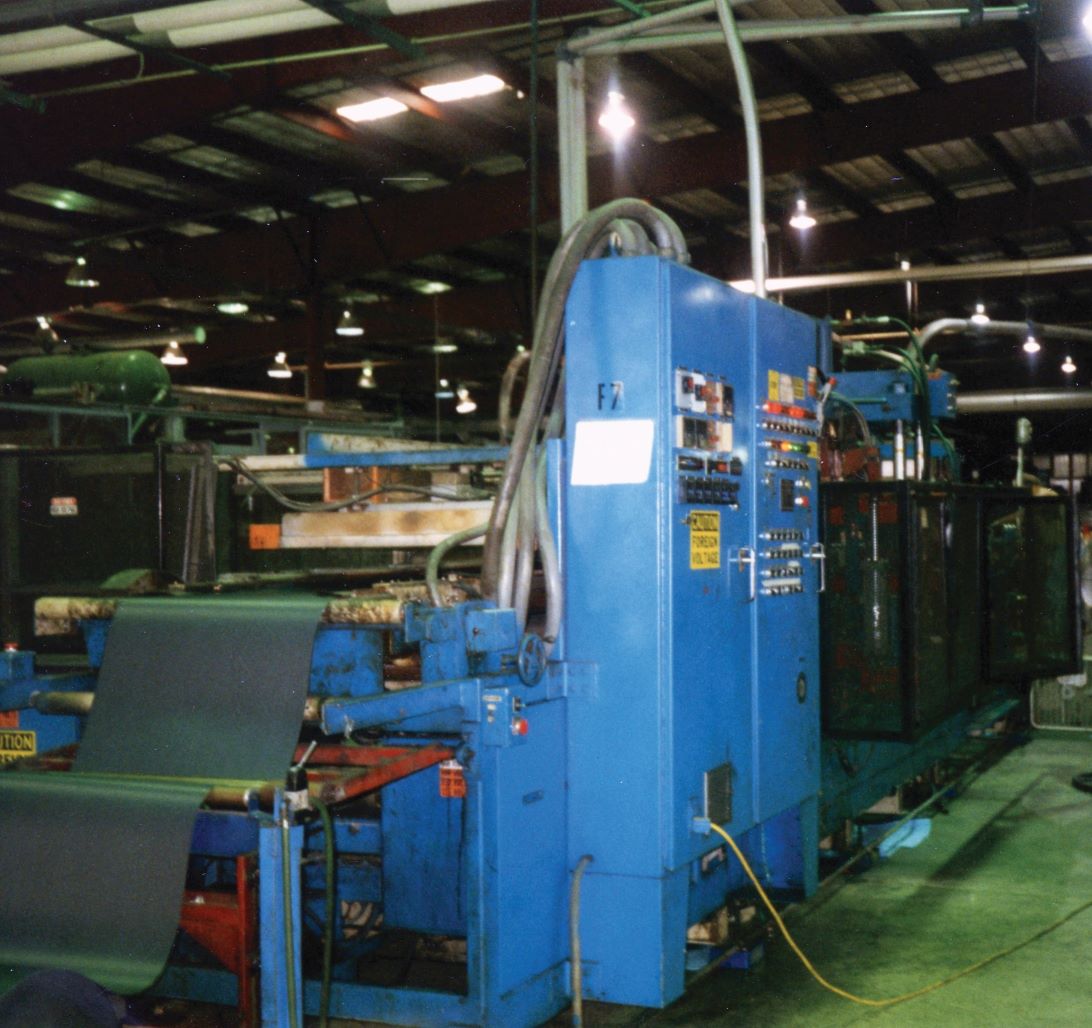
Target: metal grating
(1064, 702)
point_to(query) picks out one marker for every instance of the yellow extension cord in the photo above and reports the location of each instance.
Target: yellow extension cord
(892, 1000)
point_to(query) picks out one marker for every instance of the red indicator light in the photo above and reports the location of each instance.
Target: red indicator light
(520, 726)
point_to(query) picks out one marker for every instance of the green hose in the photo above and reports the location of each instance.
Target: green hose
(328, 911)
(289, 928)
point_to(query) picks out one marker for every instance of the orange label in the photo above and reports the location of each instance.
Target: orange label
(265, 537)
(9, 719)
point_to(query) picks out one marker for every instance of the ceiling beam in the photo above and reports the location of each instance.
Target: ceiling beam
(83, 125)
(470, 211)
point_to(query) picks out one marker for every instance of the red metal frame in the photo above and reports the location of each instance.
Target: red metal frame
(226, 924)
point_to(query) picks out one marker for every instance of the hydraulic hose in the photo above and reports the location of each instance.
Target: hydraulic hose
(577, 972)
(545, 360)
(439, 551)
(289, 925)
(508, 383)
(329, 910)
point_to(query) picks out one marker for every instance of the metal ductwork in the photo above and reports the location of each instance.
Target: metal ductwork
(1023, 401)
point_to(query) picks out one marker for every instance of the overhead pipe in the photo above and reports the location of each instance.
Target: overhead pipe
(182, 26)
(1023, 401)
(672, 36)
(756, 180)
(924, 273)
(1010, 328)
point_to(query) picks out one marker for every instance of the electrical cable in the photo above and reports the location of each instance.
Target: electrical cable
(546, 352)
(329, 906)
(289, 927)
(891, 1000)
(576, 971)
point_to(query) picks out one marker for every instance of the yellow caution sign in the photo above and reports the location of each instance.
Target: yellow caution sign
(16, 743)
(704, 540)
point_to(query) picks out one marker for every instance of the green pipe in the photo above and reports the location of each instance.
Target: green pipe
(129, 376)
(289, 927)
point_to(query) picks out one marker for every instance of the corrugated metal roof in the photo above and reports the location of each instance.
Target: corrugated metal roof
(875, 87)
(954, 157)
(1043, 147)
(977, 66)
(71, 200)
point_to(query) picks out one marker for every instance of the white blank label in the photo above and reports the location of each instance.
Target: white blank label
(612, 452)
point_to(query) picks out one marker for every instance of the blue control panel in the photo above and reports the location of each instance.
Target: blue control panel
(693, 573)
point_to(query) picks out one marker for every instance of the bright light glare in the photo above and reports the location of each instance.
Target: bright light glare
(233, 307)
(173, 356)
(616, 119)
(348, 324)
(1031, 345)
(463, 89)
(980, 317)
(801, 219)
(373, 110)
(466, 404)
(1068, 366)
(1086, 21)
(279, 368)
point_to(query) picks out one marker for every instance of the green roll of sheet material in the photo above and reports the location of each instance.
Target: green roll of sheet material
(93, 861)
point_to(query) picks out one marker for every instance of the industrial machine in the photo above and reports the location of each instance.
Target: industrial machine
(497, 790)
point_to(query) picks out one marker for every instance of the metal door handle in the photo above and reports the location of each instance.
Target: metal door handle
(817, 552)
(747, 556)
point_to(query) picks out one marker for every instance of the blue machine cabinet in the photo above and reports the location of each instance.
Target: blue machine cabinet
(692, 574)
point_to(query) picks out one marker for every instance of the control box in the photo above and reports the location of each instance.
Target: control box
(692, 578)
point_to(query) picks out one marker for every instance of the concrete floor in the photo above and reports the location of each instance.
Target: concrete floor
(1013, 855)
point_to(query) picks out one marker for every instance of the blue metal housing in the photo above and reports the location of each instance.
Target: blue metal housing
(683, 690)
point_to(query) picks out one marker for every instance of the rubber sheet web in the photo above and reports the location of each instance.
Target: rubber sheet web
(195, 687)
(93, 861)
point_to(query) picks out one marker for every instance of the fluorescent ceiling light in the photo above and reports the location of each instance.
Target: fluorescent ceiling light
(373, 110)
(463, 89)
(173, 356)
(980, 317)
(801, 219)
(432, 288)
(349, 324)
(1031, 344)
(1068, 366)
(233, 307)
(466, 404)
(616, 119)
(80, 275)
(279, 368)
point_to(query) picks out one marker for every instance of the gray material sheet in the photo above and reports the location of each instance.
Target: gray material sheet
(195, 687)
(92, 865)
(92, 871)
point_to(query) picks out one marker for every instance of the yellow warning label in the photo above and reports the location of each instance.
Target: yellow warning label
(704, 540)
(16, 743)
(813, 450)
(797, 388)
(773, 385)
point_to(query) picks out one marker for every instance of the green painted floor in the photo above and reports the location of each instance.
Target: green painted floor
(1012, 855)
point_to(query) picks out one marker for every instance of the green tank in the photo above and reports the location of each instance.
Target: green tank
(129, 376)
